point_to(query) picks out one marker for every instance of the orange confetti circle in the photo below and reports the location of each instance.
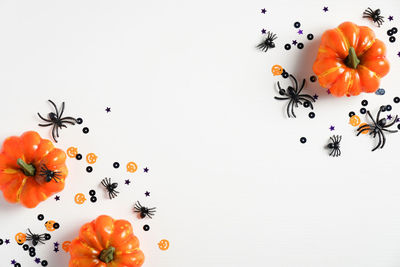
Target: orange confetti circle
(72, 152)
(66, 245)
(50, 225)
(80, 198)
(355, 120)
(277, 70)
(163, 244)
(91, 158)
(131, 167)
(366, 128)
(20, 238)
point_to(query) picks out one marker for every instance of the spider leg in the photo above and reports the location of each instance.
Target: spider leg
(390, 131)
(302, 86)
(62, 109)
(363, 130)
(40, 116)
(281, 98)
(330, 154)
(45, 125)
(295, 81)
(340, 152)
(339, 138)
(287, 107)
(52, 133)
(306, 95)
(378, 115)
(70, 122)
(68, 118)
(55, 107)
(291, 103)
(379, 143)
(384, 138)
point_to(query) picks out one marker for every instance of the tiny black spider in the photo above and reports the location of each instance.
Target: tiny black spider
(375, 15)
(293, 94)
(49, 174)
(37, 238)
(56, 120)
(335, 145)
(106, 182)
(268, 42)
(143, 211)
(379, 125)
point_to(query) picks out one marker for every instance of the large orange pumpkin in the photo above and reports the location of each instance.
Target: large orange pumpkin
(350, 60)
(31, 169)
(106, 242)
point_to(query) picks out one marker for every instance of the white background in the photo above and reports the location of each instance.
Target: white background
(192, 99)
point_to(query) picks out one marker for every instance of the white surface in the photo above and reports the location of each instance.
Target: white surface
(193, 100)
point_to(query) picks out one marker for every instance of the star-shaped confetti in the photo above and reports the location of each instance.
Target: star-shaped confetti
(332, 128)
(37, 260)
(127, 182)
(294, 42)
(389, 117)
(108, 109)
(147, 193)
(315, 96)
(13, 262)
(56, 244)
(325, 9)
(328, 92)
(263, 10)
(398, 120)
(146, 169)
(57, 198)
(300, 31)
(7, 241)
(263, 31)
(56, 250)
(390, 18)
(398, 54)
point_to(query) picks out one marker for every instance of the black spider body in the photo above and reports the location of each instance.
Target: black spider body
(378, 128)
(56, 120)
(144, 211)
(375, 15)
(110, 187)
(36, 239)
(268, 42)
(295, 98)
(334, 145)
(49, 174)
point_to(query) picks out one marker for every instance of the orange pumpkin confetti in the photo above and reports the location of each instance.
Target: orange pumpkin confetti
(66, 245)
(131, 167)
(50, 226)
(91, 158)
(277, 70)
(355, 120)
(80, 198)
(163, 244)
(20, 238)
(72, 152)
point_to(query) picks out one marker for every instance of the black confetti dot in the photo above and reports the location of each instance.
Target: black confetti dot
(313, 78)
(40, 217)
(351, 114)
(398, 126)
(300, 45)
(390, 32)
(89, 168)
(311, 115)
(93, 199)
(396, 99)
(288, 46)
(388, 107)
(25, 247)
(285, 74)
(146, 227)
(364, 102)
(79, 120)
(394, 30)
(116, 165)
(78, 156)
(32, 253)
(92, 192)
(56, 225)
(297, 24)
(47, 236)
(32, 249)
(17, 265)
(363, 111)
(383, 108)
(85, 130)
(392, 39)
(303, 140)
(310, 36)
(306, 104)
(44, 263)
(1, 242)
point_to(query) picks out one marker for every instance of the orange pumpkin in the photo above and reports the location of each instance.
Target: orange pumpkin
(106, 242)
(350, 60)
(31, 169)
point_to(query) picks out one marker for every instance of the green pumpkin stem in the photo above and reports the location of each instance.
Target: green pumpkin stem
(107, 255)
(28, 169)
(352, 60)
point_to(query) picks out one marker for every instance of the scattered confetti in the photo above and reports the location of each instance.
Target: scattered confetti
(303, 140)
(297, 24)
(147, 193)
(57, 198)
(325, 9)
(163, 244)
(72, 152)
(37, 260)
(390, 18)
(355, 120)
(127, 182)
(332, 128)
(263, 31)
(294, 42)
(146, 169)
(80, 198)
(146, 227)
(263, 10)
(380, 91)
(91, 158)
(65, 245)
(108, 109)
(300, 31)
(315, 96)
(85, 130)
(131, 167)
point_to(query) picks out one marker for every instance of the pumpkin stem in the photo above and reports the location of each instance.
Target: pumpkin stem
(352, 60)
(107, 254)
(28, 169)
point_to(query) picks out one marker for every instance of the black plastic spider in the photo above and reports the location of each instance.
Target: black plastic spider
(143, 211)
(106, 182)
(37, 238)
(295, 97)
(56, 120)
(335, 145)
(377, 128)
(374, 15)
(268, 42)
(49, 174)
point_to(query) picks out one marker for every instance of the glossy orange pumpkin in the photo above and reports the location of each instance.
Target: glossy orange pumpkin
(350, 60)
(31, 169)
(106, 242)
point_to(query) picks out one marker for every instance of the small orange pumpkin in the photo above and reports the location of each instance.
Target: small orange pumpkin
(350, 60)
